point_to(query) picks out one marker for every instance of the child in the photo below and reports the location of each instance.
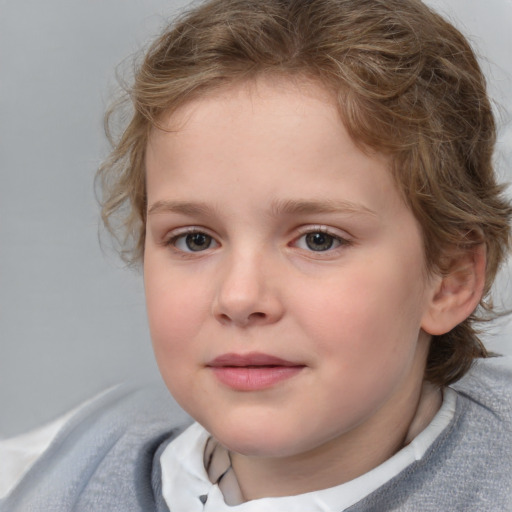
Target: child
(309, 187)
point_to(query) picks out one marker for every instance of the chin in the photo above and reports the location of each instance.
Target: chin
(259, 440)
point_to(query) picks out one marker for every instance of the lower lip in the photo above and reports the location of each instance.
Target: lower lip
(243, 378)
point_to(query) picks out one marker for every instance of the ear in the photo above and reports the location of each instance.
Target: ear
(457, 293)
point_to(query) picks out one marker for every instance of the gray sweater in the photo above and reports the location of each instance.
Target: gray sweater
(106, 459)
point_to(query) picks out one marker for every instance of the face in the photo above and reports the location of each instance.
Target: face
(284, 275)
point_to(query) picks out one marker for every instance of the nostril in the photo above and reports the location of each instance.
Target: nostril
(223, 318)
(257, 315)
(242, 319)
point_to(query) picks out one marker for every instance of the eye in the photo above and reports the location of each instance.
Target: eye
(319, 241)
(195, 241)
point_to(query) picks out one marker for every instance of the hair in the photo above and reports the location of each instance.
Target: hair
(407, 84)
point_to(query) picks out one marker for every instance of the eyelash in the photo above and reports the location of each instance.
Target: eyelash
(335, 239)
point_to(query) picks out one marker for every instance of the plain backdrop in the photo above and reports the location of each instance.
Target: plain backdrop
(72, 319)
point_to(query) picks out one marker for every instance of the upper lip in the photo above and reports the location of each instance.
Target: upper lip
(250, 359)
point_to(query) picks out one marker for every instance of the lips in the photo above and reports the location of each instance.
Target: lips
(251, 359)
(253, 371)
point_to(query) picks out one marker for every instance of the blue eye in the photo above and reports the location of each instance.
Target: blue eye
(318, 241)
(193, 242)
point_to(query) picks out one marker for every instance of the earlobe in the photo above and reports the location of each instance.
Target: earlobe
(457, 293)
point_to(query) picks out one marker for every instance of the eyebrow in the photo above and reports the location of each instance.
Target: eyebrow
(184, 207)
(305, 207)
(280, 207)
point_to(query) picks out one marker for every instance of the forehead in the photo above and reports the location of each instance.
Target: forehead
(282, 138)
(269, 103)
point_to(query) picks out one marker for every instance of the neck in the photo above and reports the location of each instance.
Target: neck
(342, 459)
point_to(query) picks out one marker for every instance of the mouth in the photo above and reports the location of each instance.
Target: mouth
(253, 371)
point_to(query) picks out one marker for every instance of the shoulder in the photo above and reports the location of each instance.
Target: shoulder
(109, 439)
(488, 388)
(133, 405)
(128, 413)
(141, 409)
(469, 465)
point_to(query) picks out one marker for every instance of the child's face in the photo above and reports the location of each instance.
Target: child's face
(276, 244)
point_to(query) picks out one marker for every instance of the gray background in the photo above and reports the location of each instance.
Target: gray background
(72, 319)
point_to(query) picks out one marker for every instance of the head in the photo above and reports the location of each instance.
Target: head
(406, 86)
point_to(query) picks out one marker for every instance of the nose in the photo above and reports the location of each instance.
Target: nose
(247, 292)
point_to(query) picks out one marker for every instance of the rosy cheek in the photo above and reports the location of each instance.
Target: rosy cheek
(174, 319)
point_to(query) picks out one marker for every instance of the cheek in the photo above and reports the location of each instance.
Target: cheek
(173, 323)
(365, 337)
(365, 314)
(174, 310)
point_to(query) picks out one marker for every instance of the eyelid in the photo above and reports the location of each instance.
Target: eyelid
(322, 228)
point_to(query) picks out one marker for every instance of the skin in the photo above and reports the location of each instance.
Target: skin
(256, 168)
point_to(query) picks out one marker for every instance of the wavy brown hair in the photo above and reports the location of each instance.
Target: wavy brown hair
(408, 85)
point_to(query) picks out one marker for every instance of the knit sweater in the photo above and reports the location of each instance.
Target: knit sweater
(107, 458)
